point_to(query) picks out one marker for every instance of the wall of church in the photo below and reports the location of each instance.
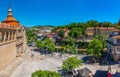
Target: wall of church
(24, 42)
(7, 54)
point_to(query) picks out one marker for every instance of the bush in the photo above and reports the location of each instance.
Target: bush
(71, 63)
(41, 73)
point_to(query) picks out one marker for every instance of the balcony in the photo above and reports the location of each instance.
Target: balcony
(5, 26)
(7, 42)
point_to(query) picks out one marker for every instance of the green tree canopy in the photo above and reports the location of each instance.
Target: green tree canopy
(92, 23)
(103, 39)
(46, 44)
(61, 33)
(75, 32)
(94, 48)
(31, 35)
(49, 44)
(41, 73)
(107, 24)
(39, 44)
(71, 63)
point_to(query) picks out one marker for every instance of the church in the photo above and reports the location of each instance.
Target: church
(13, 40)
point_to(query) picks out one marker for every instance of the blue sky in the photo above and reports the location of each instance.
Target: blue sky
(61, 12)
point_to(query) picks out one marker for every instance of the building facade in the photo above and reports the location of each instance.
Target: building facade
(12, 39)
(113, 45)
(90, 31)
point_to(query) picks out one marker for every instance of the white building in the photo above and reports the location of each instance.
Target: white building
(113, 43)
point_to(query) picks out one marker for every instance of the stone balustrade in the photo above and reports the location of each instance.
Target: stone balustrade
(5, 26)
(7, 36)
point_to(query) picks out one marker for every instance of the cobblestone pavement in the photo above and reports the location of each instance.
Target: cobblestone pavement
(36, 62)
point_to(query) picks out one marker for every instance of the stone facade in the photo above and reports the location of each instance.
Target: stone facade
(12, 40)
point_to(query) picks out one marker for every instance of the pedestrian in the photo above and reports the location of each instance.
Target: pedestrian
(109, 68)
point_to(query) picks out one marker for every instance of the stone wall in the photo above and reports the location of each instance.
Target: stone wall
(7, 54)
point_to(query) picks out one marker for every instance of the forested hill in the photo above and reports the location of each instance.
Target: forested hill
(83, 26)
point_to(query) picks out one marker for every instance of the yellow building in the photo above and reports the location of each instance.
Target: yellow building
(12, 39)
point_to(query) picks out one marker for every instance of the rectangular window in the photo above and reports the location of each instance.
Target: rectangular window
(118, 40)
(118, 49)
(118, 33)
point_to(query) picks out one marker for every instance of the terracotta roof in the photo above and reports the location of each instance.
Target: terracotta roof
(10, 18)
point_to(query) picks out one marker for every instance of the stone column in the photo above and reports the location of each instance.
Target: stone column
(12, 36)
(0, 37)
(15, 35)
(8, 36)
(4, 36)
(2, 40)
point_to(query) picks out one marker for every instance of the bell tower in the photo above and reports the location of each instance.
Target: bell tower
(10, 20)
(9, 11)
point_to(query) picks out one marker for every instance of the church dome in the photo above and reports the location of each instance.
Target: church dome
(10, 20)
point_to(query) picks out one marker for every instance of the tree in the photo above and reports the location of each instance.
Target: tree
(69, 45)
(94, 24)
(71, 63)
(45, 74)
(46, 44)
(72, 25)
(94, 48)
(31, 35)
(102, 38)
(75, 32)
(61, 33)
(71, 49)
(39, 44)
(49, 44)
(107, 24)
